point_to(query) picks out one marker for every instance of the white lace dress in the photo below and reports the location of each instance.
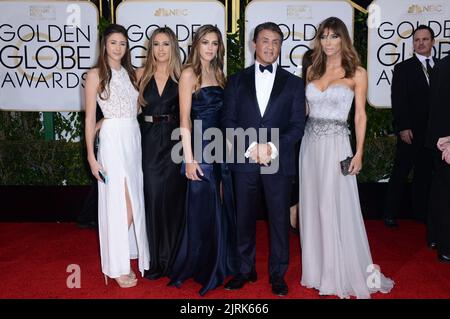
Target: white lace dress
(336, 257)
(120, 156)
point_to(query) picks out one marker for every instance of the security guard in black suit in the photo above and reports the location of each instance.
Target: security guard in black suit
(410, 106)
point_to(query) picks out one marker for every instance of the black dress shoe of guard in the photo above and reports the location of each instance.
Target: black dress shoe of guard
(279, 286)
(238, 281)
(390, 222)
(444, 258)
(432, 245)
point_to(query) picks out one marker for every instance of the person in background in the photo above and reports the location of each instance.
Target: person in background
(410, 94)
(88, 217)
(306, 62)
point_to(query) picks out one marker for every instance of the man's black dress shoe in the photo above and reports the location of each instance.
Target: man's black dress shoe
(238, 281)
(390, 222)
(432, 245)
(444, 258)
(279, 286)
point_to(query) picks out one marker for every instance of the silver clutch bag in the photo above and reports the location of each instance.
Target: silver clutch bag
(345, 164)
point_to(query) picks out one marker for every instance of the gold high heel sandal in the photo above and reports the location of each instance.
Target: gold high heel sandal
(123, 282)
(132, 275)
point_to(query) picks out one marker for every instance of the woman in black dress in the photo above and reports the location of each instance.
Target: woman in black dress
(164, 186)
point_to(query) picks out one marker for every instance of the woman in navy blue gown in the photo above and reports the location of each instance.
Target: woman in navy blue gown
(207, 252)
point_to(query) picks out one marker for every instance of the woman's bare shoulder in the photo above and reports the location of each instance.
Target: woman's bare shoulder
(188, 72)
(92, 75)
(188, 76)
(360, 72)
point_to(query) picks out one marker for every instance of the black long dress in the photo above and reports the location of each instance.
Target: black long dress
(164, 186)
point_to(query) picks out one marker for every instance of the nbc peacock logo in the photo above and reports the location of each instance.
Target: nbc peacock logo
(161, 12)
(423, 9)
(298, 12)
(39, 12)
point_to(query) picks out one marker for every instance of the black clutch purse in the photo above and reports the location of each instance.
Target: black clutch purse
(345, 164)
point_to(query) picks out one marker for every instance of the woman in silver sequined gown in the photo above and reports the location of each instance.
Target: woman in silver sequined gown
(336, 258)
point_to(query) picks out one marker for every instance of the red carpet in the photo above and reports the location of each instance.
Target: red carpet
(34, 258)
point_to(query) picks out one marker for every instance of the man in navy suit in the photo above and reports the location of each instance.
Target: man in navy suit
(270, 101)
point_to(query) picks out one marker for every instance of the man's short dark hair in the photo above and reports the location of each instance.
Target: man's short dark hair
(267, 26)
(424, 27)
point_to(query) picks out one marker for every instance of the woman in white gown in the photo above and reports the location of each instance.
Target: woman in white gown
(336, 257)
(121, 220)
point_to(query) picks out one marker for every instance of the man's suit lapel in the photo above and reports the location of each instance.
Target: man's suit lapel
(278, 85)
(250, 80)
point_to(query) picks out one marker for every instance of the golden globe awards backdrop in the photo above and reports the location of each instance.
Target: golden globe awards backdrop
(391, 24)
(298, 21)
(183, 17)
(46, 48)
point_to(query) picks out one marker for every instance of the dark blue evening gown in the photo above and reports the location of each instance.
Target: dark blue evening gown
(208, 249)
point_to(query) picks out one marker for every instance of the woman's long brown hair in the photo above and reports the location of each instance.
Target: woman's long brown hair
(104, 70)
(216, 63)
(350, 60)
(174, 66)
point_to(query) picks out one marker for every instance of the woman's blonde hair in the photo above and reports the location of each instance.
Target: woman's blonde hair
(174, 67)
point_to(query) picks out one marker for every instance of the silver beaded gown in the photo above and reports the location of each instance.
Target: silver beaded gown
(336, 258)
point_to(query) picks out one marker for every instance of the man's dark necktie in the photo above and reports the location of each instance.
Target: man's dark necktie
(429, 68)
(267, 67)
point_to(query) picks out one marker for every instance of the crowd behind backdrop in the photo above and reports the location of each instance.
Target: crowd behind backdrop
(46, 48)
